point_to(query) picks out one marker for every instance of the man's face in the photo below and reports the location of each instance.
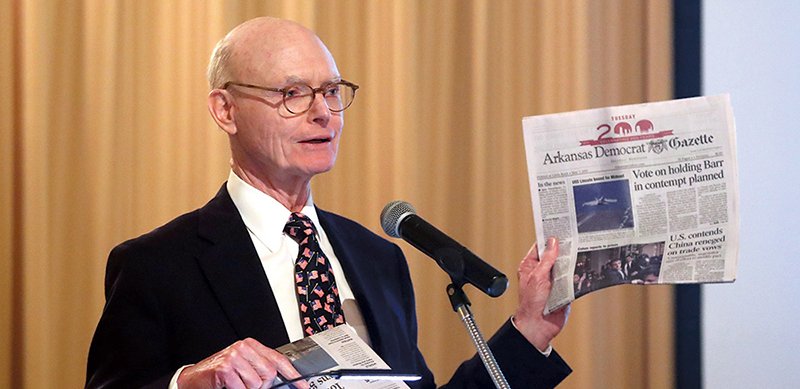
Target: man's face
(270, 141)
(616, 265)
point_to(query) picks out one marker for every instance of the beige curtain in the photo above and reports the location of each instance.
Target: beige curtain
(104, 135)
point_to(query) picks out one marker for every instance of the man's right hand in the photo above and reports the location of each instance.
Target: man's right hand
(244, 364)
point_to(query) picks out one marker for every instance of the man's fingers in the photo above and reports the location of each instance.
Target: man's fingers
(231, 380)
(287, 370)
(259, 369)
(238, 374)
(551, 249)
(243, 367)
(253, 365)
(533, 262)
(278, 363)
(549, 256)
(244, 364)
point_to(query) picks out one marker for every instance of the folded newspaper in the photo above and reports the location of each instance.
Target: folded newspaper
(636, 194)
(334, 349)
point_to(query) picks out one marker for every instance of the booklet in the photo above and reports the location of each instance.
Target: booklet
(335, 349)
(636, 194)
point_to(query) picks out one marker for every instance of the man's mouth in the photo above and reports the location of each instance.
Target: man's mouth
(316, 140)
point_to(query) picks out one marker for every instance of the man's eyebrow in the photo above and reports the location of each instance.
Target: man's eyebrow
(294, 80)
(300, 80)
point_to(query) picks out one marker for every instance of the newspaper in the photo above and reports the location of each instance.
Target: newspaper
(333, 349)
(636, 194)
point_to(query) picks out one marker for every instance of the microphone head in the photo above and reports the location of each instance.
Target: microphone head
(394, 213)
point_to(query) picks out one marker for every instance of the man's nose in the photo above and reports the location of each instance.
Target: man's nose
(319, 112)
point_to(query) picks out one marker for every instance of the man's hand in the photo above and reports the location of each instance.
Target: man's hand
(535, 283)
(244, 364)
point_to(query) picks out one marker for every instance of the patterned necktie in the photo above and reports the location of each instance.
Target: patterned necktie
(317, 293)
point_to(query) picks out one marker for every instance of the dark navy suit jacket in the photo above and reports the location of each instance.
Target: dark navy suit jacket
(194, 286)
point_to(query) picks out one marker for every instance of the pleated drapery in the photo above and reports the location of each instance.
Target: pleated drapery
(105, 135)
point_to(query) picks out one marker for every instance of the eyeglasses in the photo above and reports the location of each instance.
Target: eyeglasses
(298, 98)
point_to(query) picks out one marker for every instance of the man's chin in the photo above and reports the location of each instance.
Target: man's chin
(319, 167)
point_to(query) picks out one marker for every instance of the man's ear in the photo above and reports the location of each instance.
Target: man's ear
(220, 105)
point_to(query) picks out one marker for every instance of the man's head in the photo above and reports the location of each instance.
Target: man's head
(270, 144)
(616, 264)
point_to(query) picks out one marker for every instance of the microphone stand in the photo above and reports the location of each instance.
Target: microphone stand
(460, 303)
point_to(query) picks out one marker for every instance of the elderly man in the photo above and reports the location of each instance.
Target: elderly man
(202, 301)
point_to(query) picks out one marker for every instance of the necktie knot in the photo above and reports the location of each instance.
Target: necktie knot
(299, 227)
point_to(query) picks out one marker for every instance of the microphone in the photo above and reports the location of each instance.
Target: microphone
(399, 220)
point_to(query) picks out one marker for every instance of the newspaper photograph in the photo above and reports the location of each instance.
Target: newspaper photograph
(636, 194)
(333, 349)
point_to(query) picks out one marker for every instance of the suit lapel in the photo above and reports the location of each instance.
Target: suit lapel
(359, 277)
(235, 273)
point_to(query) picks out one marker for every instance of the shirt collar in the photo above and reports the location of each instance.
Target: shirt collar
(264, 216)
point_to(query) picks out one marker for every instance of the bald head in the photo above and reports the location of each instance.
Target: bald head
(254, 45)
(273, 148)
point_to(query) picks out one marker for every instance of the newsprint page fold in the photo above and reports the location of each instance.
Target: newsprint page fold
(336, 348)
(636, 194)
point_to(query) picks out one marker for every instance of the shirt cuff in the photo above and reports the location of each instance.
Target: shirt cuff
(546, 351)
(173, 383)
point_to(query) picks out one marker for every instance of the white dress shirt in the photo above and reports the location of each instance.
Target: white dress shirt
(265, 218)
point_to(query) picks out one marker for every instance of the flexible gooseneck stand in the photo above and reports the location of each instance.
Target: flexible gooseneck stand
(460, 303)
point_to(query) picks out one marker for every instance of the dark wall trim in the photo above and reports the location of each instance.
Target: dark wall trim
(687, 82)
(687, 43)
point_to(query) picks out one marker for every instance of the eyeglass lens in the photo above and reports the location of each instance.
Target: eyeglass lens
(299, 98)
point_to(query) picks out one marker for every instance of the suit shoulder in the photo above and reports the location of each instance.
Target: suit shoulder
(176, 235)
(158, 255)
(353, 230)
(349, 226)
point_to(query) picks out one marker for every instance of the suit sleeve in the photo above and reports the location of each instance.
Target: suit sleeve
(523, 365)
(129, 347)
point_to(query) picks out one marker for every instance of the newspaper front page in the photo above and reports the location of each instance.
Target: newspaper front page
(636, 194)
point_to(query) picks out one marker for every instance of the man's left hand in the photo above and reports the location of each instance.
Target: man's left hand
(535, 283)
